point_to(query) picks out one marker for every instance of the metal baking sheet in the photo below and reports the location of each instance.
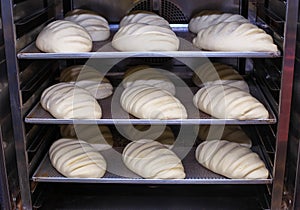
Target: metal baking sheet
(195, 173)
(104, 49)
(113, 113)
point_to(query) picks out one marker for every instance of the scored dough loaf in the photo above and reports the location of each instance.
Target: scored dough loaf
(145, 75)
(144, 37)
(144, 17)
(88, 78)
(234, 36)
(96, 25)
(231, 160)
(150, 159)
(80, 11)
(64, 36)
(99, 137)
(206, 19)
(218, 73)
(147, 102)
(68, 101)
(232, 133)
(162, 134)
(76, 159)
(223, 101)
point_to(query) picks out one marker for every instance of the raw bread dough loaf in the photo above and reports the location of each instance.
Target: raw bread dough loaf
(88, 78)
(232, 133)
(145, 75)
(144, 37)
(162, 134)
(68, 101)
(206, 19)
(150, 159)
(231, 160)
(76, 159)
(80, 12)
(145, 17)
(234, 36)
(227, 102)
(147, 102)
(218, 73)
(64, 36)
(98, 137)
(96, 25)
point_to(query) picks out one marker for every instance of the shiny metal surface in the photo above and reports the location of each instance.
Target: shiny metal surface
(15, 103)
(285, 101)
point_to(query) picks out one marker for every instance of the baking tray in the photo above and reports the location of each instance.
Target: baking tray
(104, 49)
(195, 173)
(112, 112)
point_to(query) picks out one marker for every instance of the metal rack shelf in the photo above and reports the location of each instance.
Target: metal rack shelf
(104, 49)
(114, 114)
(195, 173)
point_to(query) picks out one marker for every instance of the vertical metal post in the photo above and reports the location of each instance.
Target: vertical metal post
(289, 50)
(4, 189)
(15, 101)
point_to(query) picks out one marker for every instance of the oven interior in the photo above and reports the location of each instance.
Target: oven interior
(42, 187)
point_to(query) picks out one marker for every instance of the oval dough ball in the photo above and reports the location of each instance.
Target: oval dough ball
(162, 134)
(145, 75)
(226, 102)
(144, 37)
(218, 73)
(144, 17)
(96, 25)
(234, 36)
(232, 133)
(151, 160)
(148, 102)
(68, 101)
(231, 160)
(76, 159)
(63, 36)
(206, 19)
(98, 137)
(88, 78)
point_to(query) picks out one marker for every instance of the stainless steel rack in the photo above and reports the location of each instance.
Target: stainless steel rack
(195, 173)
(104, 49)
(114, 114)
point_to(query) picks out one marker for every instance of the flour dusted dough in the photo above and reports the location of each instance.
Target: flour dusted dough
(206, 19)
(64, 36)
(145, 17)
(145, 75)
(99, 137)
(147, 102)
(68, 101)
(234, 36)
(144, 37)
(218, 73)
(231, 160)
(232, 133)
(162, 134)
(223, 101)
(152, 160)
(88, 78)
(96, 25)
(76, 159)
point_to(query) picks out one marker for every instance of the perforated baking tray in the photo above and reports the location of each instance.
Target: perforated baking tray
(195, 173)
(104, 49)
(114, 114)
